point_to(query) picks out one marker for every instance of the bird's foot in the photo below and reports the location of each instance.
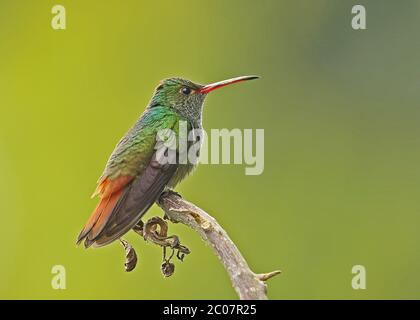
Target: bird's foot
(166, 193)
(170, 191)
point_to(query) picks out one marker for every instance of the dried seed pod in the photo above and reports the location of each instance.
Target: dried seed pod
(155, 229)
(130, 256)
(138, 228)
(168, 268)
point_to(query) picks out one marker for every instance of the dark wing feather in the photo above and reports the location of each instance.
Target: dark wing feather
(138, 197)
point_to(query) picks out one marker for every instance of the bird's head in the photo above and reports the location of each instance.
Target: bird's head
(187, 97)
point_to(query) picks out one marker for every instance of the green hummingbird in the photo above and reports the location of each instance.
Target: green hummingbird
(134, 176)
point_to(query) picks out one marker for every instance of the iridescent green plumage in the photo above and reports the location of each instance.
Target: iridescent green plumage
(167, 108)
(134, 151)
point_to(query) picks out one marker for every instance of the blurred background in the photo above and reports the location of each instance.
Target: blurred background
(340, 109)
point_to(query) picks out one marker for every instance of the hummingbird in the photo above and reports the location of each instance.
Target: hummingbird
(134, 176)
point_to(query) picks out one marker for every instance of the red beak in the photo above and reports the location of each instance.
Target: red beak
(213, 86)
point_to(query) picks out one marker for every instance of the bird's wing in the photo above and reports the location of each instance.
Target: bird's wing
(127, 195)
(136, 199)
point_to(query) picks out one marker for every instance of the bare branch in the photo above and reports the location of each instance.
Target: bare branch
(247, 284)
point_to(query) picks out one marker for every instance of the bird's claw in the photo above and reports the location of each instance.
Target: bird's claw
(167, 192)
(170, 191)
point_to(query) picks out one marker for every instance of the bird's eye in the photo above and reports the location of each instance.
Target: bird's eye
(186, 91)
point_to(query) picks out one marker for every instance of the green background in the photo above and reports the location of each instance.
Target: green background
(340, 109)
